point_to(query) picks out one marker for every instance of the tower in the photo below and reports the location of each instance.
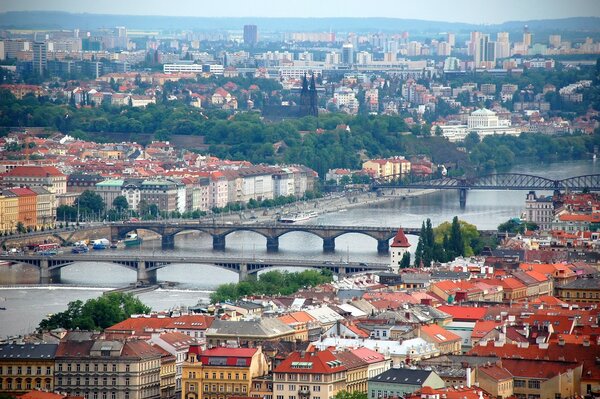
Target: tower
(313, 109)
(250, 35)
(398, 248)
(304, 98)
(40, 57)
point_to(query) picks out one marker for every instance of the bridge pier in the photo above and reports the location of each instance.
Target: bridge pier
(219, 243)
(168, 241)
(272, 244)
(145, 276)
(329, 244)
(243, 273)
(383, 247)
(462, 197)
(48, 276)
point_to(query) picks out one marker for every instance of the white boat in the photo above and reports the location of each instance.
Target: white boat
(297, 217)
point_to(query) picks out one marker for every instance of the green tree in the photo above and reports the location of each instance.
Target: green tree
(350, 395)
(21, 228)
(90, 202)
(95, 314)
(120, 203)
(405, 261)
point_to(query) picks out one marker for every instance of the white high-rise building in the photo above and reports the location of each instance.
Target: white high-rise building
(348, 54)
(502, 45)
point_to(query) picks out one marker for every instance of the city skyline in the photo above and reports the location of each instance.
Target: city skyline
(463, 11)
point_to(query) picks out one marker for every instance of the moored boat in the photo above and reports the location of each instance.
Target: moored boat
(132, 240)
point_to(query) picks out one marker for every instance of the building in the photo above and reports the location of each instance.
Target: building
(250, 35)
(220, 373)
(79, 182)
(40, 58)
(389, 168)
(24, 367)
(109, 190)
(45, 206)
(348, 54)
(48, 177)
(483, 122)
(398, 248)
(495, 379)
(27, 206)
(582, 290)
(248, 333)
(446, 341)
(399, 382)
(304, 375)
(539, 210)
(103, 369)
(9, 212)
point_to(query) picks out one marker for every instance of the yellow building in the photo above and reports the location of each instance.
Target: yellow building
(9, 212)
(26, 367)
(219, 373)
(168, 371)
(586, 290)
(391, 168)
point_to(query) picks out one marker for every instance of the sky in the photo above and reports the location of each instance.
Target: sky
(468, 11)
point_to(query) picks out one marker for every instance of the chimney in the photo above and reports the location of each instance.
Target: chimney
(468, 377)
(561, 340)
(586, 341)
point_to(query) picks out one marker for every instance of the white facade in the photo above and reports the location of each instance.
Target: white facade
(175, 68)
(483, 122)
(218, 191)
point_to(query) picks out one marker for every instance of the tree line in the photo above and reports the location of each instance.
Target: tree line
(271, 283)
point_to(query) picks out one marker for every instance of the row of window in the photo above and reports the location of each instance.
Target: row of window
(192, 375)
(531, 384)
(20, 384)
(294, 377)
(292, 387)
(96, 381)
(18, 370)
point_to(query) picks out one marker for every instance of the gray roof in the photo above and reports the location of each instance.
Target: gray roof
(265, 328)
(28, 351)
(403, 376)
(448, 274)
(582, 283)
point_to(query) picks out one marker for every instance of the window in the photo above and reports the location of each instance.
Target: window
(48, 371)
(38, 371)
(292, 388)
(533, 384)
(127, 381)
(317, 388)
(114, 367)
(205, 387)
(519, 383)
(280, 387)
(113, 395)
(127, 370)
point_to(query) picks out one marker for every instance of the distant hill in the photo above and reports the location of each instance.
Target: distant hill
(64, 20)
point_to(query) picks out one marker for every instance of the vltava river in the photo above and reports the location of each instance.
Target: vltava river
(26, 306)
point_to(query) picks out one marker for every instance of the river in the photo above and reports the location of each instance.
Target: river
(26, 305)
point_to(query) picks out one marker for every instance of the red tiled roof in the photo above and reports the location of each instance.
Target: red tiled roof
(34, 171)
(400, 241)
(232, 355)
(321, 362)
(464, 313)
(496, 372)
(439, 334)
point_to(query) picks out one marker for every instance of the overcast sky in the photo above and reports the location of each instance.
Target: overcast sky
(470, 11)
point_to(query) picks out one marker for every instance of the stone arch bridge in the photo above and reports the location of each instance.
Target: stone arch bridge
(146, 266)
(271, 231)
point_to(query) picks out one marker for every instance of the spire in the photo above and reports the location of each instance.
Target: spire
(400, 241)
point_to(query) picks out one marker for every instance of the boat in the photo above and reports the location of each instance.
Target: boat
(132, 240)
(297, 217)
(102, 243)
(5, 263)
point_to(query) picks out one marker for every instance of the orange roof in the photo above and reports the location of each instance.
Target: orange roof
(400, 241)
(483, 327)
(464, 313)
(296, 317)
(439, 334)
(512, 283)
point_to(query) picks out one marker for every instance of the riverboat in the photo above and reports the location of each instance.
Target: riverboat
(132, 240)
(297, 217)
(102, 243)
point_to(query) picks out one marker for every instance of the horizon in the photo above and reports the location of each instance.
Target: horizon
(460, 11)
